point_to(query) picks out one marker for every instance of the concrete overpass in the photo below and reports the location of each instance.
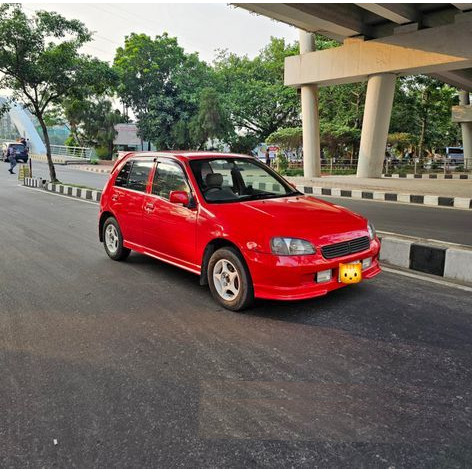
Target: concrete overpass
(379, 41)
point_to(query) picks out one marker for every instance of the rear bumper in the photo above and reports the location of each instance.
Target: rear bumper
(293, 278)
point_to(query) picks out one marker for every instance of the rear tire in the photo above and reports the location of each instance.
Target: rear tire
(229, 279)
(113, 240)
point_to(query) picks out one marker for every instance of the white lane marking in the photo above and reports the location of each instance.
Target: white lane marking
(427, 279)
(81, 200)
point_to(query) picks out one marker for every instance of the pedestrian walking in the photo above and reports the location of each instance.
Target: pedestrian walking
(267, 158)
(11, 159)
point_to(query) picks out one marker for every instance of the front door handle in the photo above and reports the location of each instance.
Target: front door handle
(115, 197)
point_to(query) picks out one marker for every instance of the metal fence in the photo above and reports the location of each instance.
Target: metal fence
(337, 167)
(72, 151)
(330, 166)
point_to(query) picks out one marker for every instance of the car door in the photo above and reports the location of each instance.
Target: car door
(127, 198)
(169, 229)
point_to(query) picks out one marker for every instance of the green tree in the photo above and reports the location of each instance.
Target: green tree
(92, 123)
(211, 121)
(254, 92)
(161, 84)
(422, 108)
(288, 138)
(41, 63)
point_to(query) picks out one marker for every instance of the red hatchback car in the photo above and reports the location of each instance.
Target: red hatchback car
(235, 222)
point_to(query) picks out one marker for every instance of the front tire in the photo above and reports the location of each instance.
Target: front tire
(113, 240)
(229, 279)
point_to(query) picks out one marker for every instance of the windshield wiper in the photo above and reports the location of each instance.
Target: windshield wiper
(259, 196)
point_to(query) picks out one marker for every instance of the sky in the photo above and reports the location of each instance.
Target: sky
(199, 27)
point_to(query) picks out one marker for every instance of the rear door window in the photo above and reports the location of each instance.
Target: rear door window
(139, 175)
(134, 175)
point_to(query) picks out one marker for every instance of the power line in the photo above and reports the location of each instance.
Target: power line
(88, 45)
(121, 17)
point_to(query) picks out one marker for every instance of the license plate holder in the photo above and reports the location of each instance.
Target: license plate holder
(350, 272)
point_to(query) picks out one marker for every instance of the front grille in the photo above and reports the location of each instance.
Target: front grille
(346, 247)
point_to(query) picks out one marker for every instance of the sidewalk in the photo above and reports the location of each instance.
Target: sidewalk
(440, 187)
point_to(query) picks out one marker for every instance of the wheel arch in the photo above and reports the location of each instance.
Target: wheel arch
(103, 218)
(210, 248)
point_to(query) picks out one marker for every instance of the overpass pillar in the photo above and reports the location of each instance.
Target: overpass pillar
(378, 108)
(310, 117)
(464, 99)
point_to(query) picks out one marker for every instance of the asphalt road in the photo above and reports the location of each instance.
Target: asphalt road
(107, 364)
(443, 224)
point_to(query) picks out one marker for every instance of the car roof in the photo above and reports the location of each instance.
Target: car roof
(187, 155)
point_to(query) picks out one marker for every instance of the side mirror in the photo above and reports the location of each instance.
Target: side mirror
(178, 196)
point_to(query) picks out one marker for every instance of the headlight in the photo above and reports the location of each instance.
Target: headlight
(291, 247)
(371, 230)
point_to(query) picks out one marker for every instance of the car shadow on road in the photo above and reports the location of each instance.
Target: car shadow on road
(387, 308)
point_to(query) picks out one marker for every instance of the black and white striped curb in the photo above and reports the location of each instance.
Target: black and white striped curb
(448, 260)
(429, 176)
(69, 190)
(99, 170)
(428, 200)
(83, 193)
(33, 182)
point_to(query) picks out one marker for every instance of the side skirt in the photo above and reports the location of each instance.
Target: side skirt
(195, 269)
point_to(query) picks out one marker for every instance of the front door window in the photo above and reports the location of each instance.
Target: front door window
(167, 178)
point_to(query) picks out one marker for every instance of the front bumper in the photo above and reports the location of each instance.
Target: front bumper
(293, 277)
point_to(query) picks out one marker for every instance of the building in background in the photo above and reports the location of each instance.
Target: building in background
(127, 138)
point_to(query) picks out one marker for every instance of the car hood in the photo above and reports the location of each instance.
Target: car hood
(301, 217)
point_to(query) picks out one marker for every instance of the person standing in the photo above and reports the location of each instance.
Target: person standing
(267, 158)
(12, 159)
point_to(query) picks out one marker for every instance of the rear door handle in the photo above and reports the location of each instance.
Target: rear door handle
(149, 207)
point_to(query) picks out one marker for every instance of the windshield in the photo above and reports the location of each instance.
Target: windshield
(224, 180)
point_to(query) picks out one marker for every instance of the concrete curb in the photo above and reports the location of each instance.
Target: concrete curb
(442, 259)
(377, 195)
(429, 176)
(99, 170)
(69, 190)
(33, 182)
(82, 193)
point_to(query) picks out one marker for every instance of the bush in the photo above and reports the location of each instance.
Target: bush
(70, 141)
(103, 153)
(281, 163)
(294, 173)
